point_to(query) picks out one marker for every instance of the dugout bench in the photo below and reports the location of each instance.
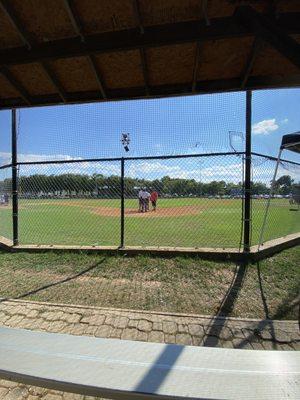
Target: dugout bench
(121, 369)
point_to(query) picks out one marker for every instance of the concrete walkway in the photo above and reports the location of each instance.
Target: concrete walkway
(146, 326)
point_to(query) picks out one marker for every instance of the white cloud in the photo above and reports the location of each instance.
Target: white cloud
(265, 127)
(152, 168)
(204, 171)
(82, 167)
(5, 157)
(157, 169)
(231, 172)
(285, 121)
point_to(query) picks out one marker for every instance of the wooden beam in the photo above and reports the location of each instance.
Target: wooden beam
(6, 6)
(256, 48)
(137, 14)
(17, 85)
(10, 12)
(196, 66)
(75, 20)
(94, 67)
(77, 25)
(202, 87)
(144, 69)
(204, 11)
(267, 29)
(52, 77)
(154, 36)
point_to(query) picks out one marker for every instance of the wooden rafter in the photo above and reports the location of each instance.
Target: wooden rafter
(214, 86)
(10, 13)
(7, 8)
(266, 28)
(77, 26)
(52, 77)
(17, 85)
(139, 21)
(256, 48)
(196, 67)
(74, 18)
(129, 39)
(95, 69)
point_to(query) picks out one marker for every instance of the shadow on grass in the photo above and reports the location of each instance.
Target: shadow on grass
(57, 283)
(225, 309)
(287, 304)
(226, 306)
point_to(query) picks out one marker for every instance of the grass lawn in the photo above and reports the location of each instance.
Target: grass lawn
(211, 223)
(182, 284)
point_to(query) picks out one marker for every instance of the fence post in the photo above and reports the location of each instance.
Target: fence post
(247, 200)
(14, 156)
(122, 202)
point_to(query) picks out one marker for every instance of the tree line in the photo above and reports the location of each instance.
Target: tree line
(98, 185)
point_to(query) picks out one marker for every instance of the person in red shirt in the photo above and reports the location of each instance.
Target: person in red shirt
(153, 199)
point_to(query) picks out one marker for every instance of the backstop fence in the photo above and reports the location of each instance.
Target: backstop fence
(66, 177)
(191, 200)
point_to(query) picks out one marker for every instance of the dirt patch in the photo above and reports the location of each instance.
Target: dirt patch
(160, 212)
(131, 212)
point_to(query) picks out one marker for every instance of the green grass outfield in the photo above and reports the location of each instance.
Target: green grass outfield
(211, 222)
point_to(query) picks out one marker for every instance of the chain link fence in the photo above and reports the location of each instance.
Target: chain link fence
(5, 203)
(75, 188)
(188, 201)
(70, 203)
(283, 217)
(199, 201)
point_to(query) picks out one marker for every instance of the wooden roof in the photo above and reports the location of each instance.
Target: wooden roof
(66, 51)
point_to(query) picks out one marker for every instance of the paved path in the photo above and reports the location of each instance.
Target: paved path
(145, 326)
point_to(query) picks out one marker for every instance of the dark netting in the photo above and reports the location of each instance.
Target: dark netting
(274, 113)
(5, 203)
(5, 138)
(70, 203)
(189, 150)
(79, 202)
(5, 175)
(181, 125)
(184, 202)
(283, 217)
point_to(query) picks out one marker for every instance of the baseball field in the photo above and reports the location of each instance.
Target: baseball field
(181, 222)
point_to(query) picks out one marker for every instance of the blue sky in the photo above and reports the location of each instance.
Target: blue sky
(193, 124)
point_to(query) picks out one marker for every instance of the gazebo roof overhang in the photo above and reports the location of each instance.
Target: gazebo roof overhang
(63, 51)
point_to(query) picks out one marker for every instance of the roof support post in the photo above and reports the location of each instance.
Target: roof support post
(15, 213)
(122, 203)
(247, 178)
